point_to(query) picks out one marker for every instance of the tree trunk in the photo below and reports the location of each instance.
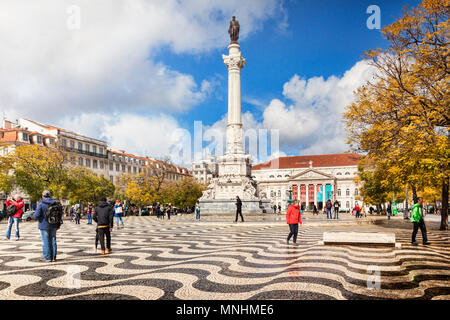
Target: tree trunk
(444, 207)
(414, 194)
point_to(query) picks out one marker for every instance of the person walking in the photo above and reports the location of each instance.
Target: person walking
(279, 208)
(275, 209)
(328, 206)
(315, 211)
(103, 215)
(118, 213)
(16, 205)
(197, 210)
(417, 218)
(169, 211)
(293, 218)
(158, 210)
(336, 209)
(357, 210)
(389, 211)
(49, 215)
(239, 209)
(90, 212)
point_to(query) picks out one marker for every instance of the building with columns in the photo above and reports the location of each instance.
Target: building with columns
(313, 179)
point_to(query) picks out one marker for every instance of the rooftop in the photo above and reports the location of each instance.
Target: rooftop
(325, 160)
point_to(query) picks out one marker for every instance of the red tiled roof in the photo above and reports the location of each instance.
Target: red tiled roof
(326, 160)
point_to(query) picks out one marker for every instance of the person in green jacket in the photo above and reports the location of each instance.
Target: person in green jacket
(417, 216)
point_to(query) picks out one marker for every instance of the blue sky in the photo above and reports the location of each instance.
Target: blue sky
(134, 72)
(323, 38)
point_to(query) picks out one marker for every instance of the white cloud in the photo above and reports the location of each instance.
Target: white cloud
(140, 135)
(312, 124)
(108, 64)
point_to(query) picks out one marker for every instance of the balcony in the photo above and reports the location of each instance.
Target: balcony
(88, 153)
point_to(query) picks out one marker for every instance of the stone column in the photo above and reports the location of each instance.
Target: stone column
(323, 194)
(234, 62)
(315, 194)
(307, 196)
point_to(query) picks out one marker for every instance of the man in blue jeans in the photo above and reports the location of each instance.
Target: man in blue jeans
(48, 231)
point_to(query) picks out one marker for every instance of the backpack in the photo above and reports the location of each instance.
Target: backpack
(53, 214)
(11, 210)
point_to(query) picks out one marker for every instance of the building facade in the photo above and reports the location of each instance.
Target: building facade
(312, 179)
(205, 170)
(79, 150)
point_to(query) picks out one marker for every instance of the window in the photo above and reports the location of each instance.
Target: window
(117, 167)
(100, 150)
(339, 192)
(339, 174)
(52, 141)
(63, 142)
(279, 193)
(39, 139)
(347, 204)
(94, 149)
(129, 169)
(88, 163)
(102, 165)
(347, 173)
(347, 192)
(87, 147)
(80, 146)
(134, 169)
(123, 168)
(356, 191)
(272, 176)
(72, 144)
(25, 136)
(114, 157)
(272, 194)
(94, 164)
(80, 161)
(111, 178)
(111, 166)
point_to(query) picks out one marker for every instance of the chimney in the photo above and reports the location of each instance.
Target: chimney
(310, 164)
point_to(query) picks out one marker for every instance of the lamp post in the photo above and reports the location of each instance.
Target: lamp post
(289, 194)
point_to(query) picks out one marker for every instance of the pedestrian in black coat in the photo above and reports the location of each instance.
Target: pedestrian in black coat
(239, 209)
(104, 216)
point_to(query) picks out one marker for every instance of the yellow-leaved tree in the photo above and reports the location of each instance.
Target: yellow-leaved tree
(400, 119)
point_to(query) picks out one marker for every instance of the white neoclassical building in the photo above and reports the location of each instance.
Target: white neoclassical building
(313, 179)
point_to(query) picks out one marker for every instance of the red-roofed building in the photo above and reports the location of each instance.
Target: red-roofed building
(313, 179)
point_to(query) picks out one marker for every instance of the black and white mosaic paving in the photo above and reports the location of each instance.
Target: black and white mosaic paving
(154, 259)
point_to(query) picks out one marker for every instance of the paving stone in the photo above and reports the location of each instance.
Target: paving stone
(184, 259)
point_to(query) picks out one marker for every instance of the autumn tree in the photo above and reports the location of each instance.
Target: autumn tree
(400, 119)
(35, 168)
(183, 193)
(84, 185)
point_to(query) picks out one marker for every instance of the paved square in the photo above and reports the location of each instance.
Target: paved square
(185, 259)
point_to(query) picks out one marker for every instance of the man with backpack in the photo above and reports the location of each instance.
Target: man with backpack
(49, 215)
(328, 206)
(14, 211)
(336, 209)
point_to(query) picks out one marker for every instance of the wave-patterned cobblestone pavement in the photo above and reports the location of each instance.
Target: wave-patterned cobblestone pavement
(155, 259)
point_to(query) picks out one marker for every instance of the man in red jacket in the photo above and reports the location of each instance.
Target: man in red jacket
(293, 218)
(16, 217)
